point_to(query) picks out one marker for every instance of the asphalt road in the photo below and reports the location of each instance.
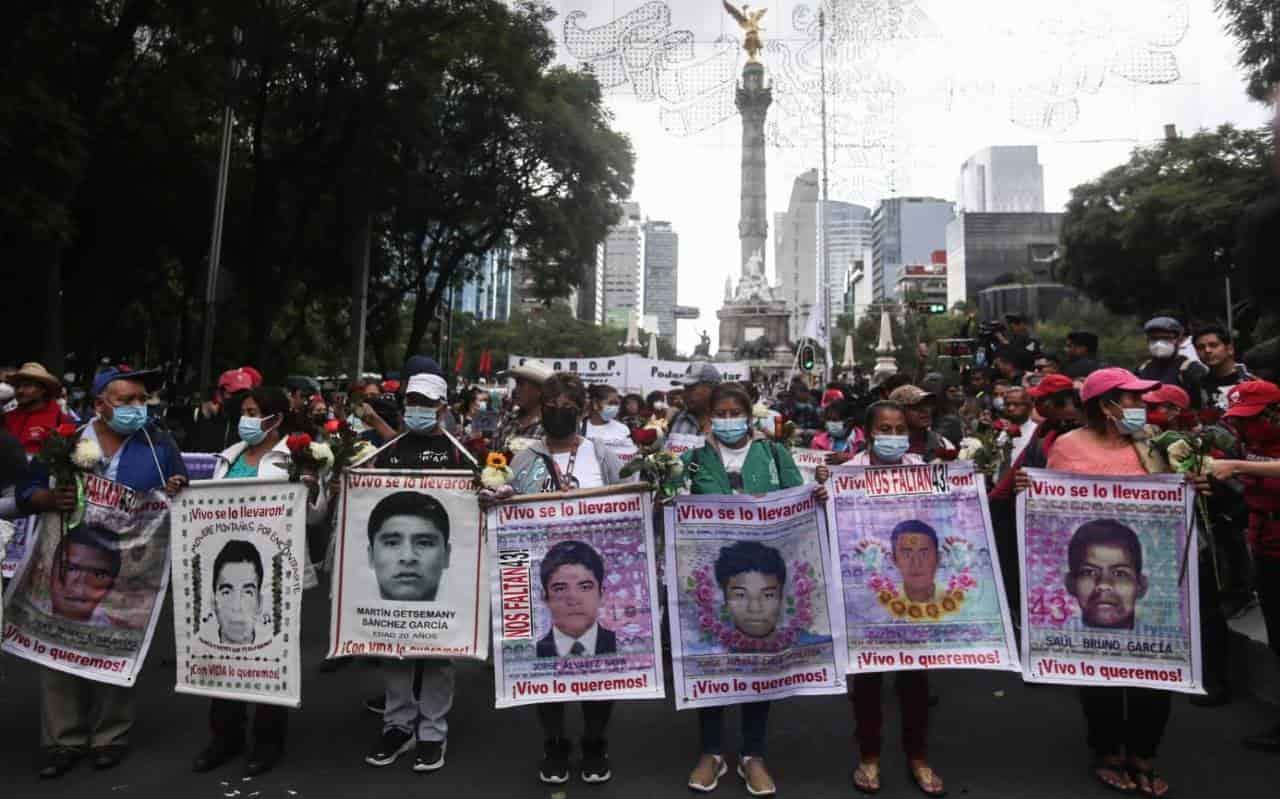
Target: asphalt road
(992, 736)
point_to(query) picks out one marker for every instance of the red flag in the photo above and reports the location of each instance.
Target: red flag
(486, 362)
(462, 359)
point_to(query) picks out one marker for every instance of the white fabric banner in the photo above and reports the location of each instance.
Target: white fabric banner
(24, 532)
(632, 373)
(238, 561)
(409, 575)
(808, 461)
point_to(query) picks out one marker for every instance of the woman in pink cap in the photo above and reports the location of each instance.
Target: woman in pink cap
(1125, 725)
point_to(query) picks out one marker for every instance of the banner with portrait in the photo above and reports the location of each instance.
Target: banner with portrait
(1108, 597)
(921, 580)
(238, 559)
(751, 598)
(86, 599)
(24, 532)
(575, 603)
(409, 567)
(808, 461)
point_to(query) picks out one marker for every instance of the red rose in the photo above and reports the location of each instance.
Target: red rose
(644, 436)
(1013, 430)
(1209, 416)
(332, 426)
(944, 454)
(297, 442)
(66, 430)
(1000, 424)
(1185, 421)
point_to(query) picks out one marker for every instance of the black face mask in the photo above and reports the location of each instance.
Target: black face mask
(559, 422)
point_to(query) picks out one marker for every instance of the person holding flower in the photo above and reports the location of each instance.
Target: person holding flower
(915, 555)
(736, 460)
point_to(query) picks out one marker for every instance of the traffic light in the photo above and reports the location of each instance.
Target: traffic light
(931, 307)
(806, 358)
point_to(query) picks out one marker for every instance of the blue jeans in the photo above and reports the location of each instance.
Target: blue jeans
(755, 726)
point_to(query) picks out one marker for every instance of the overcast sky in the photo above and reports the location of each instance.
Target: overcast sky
(914, 87)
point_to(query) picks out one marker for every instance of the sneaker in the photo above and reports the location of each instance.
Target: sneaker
(756, 776)
(58, 761)
(391, 744)
(706, 775)
(376, 704)
(555, 762)
(430, 756)
(595, 761)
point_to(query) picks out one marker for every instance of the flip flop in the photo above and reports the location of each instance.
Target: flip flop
(914, 773)
(865, 771)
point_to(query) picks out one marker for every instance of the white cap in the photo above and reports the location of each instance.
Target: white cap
(432, 387)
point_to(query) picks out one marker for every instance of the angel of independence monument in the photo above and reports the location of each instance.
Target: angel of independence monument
(754, 319)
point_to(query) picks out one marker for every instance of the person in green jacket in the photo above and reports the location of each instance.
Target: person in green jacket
(736, 461)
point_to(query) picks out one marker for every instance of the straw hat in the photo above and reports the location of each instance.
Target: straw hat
(36, 373)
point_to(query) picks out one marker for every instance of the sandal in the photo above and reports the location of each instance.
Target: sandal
(1138, 775)
(926, 779)
(1120, 780)
(866, 777)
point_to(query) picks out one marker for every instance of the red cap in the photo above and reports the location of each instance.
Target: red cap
(255, 377)
(390, 386)
(831, 395)
(1251, 398)
(1167, 393)
(234, 381)
(1110, 379)
(1051, 384)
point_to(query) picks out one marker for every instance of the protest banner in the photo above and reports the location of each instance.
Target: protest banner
(921, 580)
(607, 371)
(86, 599)
(238, 558)
(24, 532)
(1108, 597)
(200, 465)
(575, 604)
(680, 443)
(808, 461)
(748, 599)
(631, 373)
(410, 569)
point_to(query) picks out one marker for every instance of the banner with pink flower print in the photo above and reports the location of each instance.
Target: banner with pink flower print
(921, 582)
(748, 599)
(1108, 595)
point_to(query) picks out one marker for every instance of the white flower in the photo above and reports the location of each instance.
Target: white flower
(969, 448)
(1179, 451)
(493, 477)
(321, 453)
(86, 455)
(760, 411)
(519, 444)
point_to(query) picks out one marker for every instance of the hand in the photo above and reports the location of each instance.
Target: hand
(837, 458)
(334, 486)
(1204, 487)
(1021, 480)
(174, 485)
(64, 498)
(822, 474)
(820, 493)
(1223, 470)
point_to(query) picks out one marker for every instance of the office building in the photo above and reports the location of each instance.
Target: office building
(661, 268)
(905, 230)
(985, 250)
(1002, 180)
(486, 293)
(924, 286)
(623, 265)
(590, 301)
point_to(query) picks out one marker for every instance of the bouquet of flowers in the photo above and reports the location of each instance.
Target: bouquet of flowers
(307, 456)
(655, 465)
(1192, 453)
(345, 445)
(990, 447)
(68, 458)
(496, 472)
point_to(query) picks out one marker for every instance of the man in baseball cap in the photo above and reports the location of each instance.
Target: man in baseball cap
(697, 383)
(1165, 404)
(919, 405)
(1167, 364)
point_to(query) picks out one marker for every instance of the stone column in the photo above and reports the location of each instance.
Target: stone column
(753, 101)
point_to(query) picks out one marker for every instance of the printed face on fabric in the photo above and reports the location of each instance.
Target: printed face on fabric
(1105, 575)
(916, 557)
(754, 601)
(408, 555)
(237, 592)
(82, 577)
(573, 596)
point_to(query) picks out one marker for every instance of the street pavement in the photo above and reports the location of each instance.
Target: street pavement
(991, 736)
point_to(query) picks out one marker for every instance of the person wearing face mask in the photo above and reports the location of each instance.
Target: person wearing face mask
(563, 460)
(423, 444)
(1125, 725)
(602, 425)
(1167, 365)
(78, 715)
(888, 442)
(840, 436)
(735, 460)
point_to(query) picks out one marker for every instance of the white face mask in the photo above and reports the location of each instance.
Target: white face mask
(1162, 348)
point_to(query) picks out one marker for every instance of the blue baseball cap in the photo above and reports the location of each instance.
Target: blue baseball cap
(421, 365)
(151, 379)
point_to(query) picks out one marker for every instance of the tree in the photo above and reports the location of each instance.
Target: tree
(1158, 233)
(542, 332)
(1255, 24)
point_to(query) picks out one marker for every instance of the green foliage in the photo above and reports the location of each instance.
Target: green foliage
(1120, 338)
(910, 330)
(1255, 24)
(1157, 233)
(545, 332)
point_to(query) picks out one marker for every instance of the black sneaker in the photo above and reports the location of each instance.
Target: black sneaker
(58, 761)
(376, 704)
(430, 756)
(391, 744)
(555, 762)
(595, 761)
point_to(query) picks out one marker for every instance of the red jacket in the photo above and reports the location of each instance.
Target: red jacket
(32, 427)
(1262, 495)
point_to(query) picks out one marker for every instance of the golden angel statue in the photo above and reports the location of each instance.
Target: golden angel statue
(749, 21)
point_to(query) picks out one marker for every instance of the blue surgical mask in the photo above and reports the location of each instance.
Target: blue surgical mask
(418, 419)
(250, 430)
(890, 448)
(127, 419)
(610, 412)
(835, 429)
(730, 430)
(1133, 421)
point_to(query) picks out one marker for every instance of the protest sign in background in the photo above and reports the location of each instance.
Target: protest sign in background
(86, 599)
(808, 461)
(24, 532)
(595, 550)
(748, 599)
(238, 559)
(631, 373)
(921, 580)
(1108, 598)
(410, 571)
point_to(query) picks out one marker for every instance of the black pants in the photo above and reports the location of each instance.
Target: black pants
(595, 718)
(1004, 523)
(1214, 642)
(227, 721)
(1125, 720)
(1269, 595)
